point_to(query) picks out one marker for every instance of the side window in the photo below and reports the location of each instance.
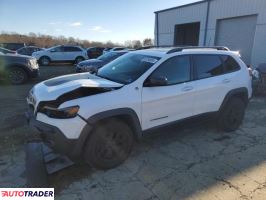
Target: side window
(208, 66)
(230, 65)
(21, 51)
(72, 49)
(57, 49)
(175, 70)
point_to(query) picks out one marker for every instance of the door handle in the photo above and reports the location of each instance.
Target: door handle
(187, 88)
(226, 80)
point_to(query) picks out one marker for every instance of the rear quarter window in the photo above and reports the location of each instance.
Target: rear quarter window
(207, 66)
(230, 64)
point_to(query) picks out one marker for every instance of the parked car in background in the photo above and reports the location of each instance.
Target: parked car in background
(61, 53)
(28, 50)
(95, 52)
(107, 49)
(12, 46)
(93, 65)
(259, 79)
(18, 68)
(7, 51)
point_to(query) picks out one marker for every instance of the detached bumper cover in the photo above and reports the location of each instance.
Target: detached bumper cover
(55, 139)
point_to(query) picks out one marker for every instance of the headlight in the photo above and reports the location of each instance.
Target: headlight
(63, 113)
(33, 63)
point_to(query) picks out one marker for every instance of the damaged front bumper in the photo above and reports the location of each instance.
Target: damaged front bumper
(55, 139)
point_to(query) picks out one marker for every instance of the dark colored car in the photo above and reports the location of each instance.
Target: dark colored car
(28, 50)
(94, 52)
(259, 79)
(106, 50)
(12, 46)
(18, 68)
(7, 51)
(92, 65)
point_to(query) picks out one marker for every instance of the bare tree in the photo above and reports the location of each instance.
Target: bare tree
(136, 44)
(147, 42)
(48, 41)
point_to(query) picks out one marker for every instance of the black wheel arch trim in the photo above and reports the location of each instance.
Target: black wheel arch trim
(79, 57)
(127, 112)
(19, 65)
(238, 92)
(44, 57)
(91, 121)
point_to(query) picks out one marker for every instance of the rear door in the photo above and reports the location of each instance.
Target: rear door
(211, 82)
(57, 53)
(172, 102)
(71, 53)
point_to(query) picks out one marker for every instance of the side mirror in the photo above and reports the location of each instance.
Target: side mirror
(52, 50)
(156, 82)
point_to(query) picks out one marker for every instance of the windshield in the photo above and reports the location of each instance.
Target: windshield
(51, 48)
(127, 68)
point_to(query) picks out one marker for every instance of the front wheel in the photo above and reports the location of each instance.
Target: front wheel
(109, 145)
(17, 75)
(232, 115)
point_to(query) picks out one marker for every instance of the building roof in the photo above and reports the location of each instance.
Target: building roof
(182, 6)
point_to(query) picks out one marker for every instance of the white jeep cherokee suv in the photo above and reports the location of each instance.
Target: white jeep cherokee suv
(61, 53)
(98, 116)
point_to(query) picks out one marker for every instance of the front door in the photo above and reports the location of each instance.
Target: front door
(172, 101)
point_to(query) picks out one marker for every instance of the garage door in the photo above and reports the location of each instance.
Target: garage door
(237, 34)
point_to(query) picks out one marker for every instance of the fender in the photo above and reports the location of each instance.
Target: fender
(127, 113)
(239, 92)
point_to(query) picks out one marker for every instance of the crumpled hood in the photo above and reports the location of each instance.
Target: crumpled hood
(54, 88)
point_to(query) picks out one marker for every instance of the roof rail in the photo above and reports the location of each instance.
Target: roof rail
(178, 49)
(146, 47)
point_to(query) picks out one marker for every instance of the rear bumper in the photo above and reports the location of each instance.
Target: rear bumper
(55, 139)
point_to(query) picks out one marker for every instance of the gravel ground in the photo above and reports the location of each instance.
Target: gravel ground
(188, 162)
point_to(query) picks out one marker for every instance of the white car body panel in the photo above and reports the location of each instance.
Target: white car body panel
(161, 105)
(70, 127)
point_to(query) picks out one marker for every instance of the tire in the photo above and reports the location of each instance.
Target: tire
(17, 75)
(231, 117)
(44, 61)
(109, 145)
(79, 59)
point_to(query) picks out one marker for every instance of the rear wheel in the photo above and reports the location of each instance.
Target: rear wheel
(17, 75)
(232, 115)
(109, 145)
(79, 59)
(44, 61)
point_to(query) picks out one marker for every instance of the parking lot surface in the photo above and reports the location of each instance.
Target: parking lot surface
(194, 161)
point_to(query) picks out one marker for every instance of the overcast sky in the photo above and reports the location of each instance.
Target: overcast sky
(100, 20)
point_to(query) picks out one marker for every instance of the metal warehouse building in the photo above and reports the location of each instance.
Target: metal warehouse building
(238, 24)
